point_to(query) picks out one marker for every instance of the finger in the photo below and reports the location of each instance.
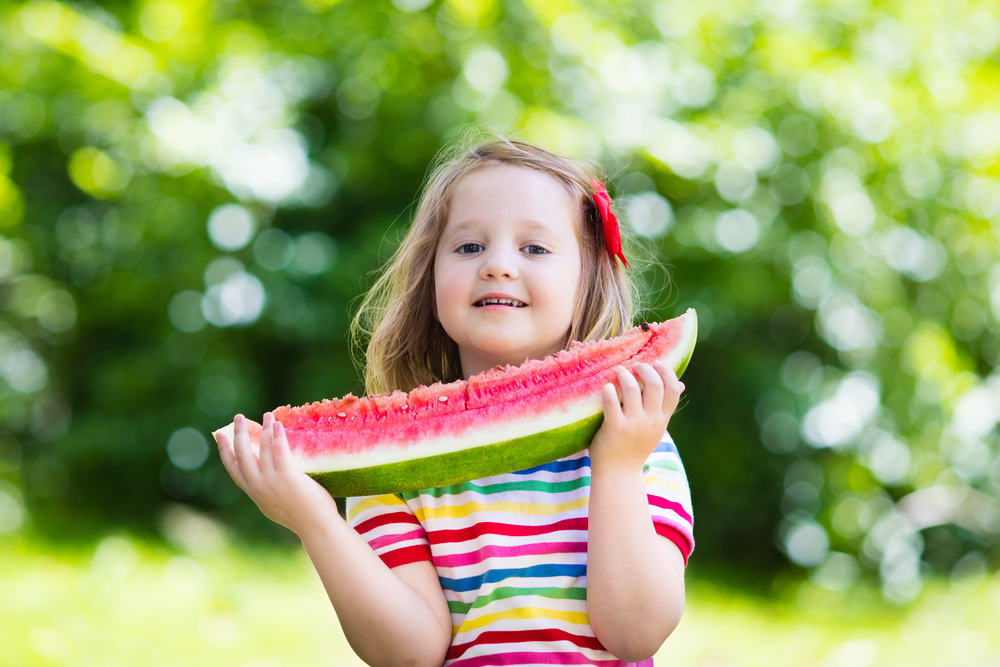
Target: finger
(653, 387)
(672, 388)
(279, 446)
(631, 393)
(610, 402)
(282, 452)
(249, 464)
(266, 440)
(229, 460)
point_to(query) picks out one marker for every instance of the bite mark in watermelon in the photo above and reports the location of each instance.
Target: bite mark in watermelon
(496, 422)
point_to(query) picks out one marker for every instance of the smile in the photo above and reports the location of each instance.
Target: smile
(500, 302)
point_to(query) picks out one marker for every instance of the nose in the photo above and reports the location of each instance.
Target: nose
(499, 263)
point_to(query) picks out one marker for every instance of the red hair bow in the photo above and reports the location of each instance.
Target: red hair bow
(612, 237)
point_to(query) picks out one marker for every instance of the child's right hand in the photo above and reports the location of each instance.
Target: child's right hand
(285, 494)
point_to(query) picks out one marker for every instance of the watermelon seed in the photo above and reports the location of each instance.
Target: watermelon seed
(443, 399)
(341, 414)
(645, 326)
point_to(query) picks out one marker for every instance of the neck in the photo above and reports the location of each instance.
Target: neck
(474, 364)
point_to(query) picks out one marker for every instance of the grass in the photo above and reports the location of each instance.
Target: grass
(203, 602)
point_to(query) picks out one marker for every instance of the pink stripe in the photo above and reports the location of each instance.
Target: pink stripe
(379, 542)
(537, 659)
(669, 505)
(683, 542)
(491, 551)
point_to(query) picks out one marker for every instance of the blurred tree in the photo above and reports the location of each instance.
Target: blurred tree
(193, 193)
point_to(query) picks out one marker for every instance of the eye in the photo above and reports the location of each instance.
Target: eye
(469, 248)
(535, 250)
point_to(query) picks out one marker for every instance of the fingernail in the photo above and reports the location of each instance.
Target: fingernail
(682, 386)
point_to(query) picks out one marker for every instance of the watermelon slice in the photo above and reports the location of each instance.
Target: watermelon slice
(496, 422)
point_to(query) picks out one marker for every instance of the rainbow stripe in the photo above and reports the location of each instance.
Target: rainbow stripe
(511, 554)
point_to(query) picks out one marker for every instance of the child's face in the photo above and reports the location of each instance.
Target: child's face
(511, 234)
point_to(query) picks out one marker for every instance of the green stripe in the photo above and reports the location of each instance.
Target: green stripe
(490, 489)
(510, 592)
(666, 463)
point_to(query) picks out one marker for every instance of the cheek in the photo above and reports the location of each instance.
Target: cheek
(446, 292)
(439, 280)
(560, 289)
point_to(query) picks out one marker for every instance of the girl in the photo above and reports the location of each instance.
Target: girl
(581, 561)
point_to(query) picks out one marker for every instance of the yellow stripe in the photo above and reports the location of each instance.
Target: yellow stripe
(574, 617)
(373, 501)
(666, 484)
(459, 511)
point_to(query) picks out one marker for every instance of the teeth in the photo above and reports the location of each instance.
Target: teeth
(506, 302)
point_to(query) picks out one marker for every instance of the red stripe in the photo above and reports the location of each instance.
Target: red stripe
(669, 505)
(524, 636)
(535, 658)
(677, 537)
(411, 554)
(493, 528)
(384, 519)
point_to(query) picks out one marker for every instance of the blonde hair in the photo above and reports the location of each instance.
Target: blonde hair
(407, 346)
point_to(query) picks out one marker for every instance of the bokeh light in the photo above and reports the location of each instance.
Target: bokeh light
(190, 192)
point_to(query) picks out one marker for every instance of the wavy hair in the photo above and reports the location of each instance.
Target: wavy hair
(407, 346)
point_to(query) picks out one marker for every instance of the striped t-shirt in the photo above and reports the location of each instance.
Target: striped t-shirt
(511, 554)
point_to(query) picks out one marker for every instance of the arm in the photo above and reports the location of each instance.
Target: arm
(635, 578)
(390, 617)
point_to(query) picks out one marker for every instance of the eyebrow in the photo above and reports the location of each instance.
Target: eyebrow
(465, 224)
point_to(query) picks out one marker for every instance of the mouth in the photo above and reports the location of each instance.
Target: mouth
(492, 301)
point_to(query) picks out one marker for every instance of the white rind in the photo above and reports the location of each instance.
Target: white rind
(230, 432)
(685, 346)
(558, 417)
(472, 438)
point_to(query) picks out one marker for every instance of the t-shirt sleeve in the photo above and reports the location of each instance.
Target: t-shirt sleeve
(669, 496)
(390, 528)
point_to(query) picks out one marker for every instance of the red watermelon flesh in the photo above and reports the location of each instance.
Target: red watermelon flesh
(497, 421)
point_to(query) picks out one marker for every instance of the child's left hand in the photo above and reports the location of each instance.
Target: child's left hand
(634, 426)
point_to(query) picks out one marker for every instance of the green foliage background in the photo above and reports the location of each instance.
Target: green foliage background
(193, 194)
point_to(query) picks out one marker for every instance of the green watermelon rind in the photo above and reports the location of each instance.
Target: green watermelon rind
(464, 459)
(482, 461)
(691, 339)
(461, 466)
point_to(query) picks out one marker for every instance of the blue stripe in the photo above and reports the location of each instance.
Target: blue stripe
(667, 446)
(560, 465)
(566, 465)
(493, 576)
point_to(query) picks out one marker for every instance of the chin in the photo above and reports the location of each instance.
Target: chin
(505, 354)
